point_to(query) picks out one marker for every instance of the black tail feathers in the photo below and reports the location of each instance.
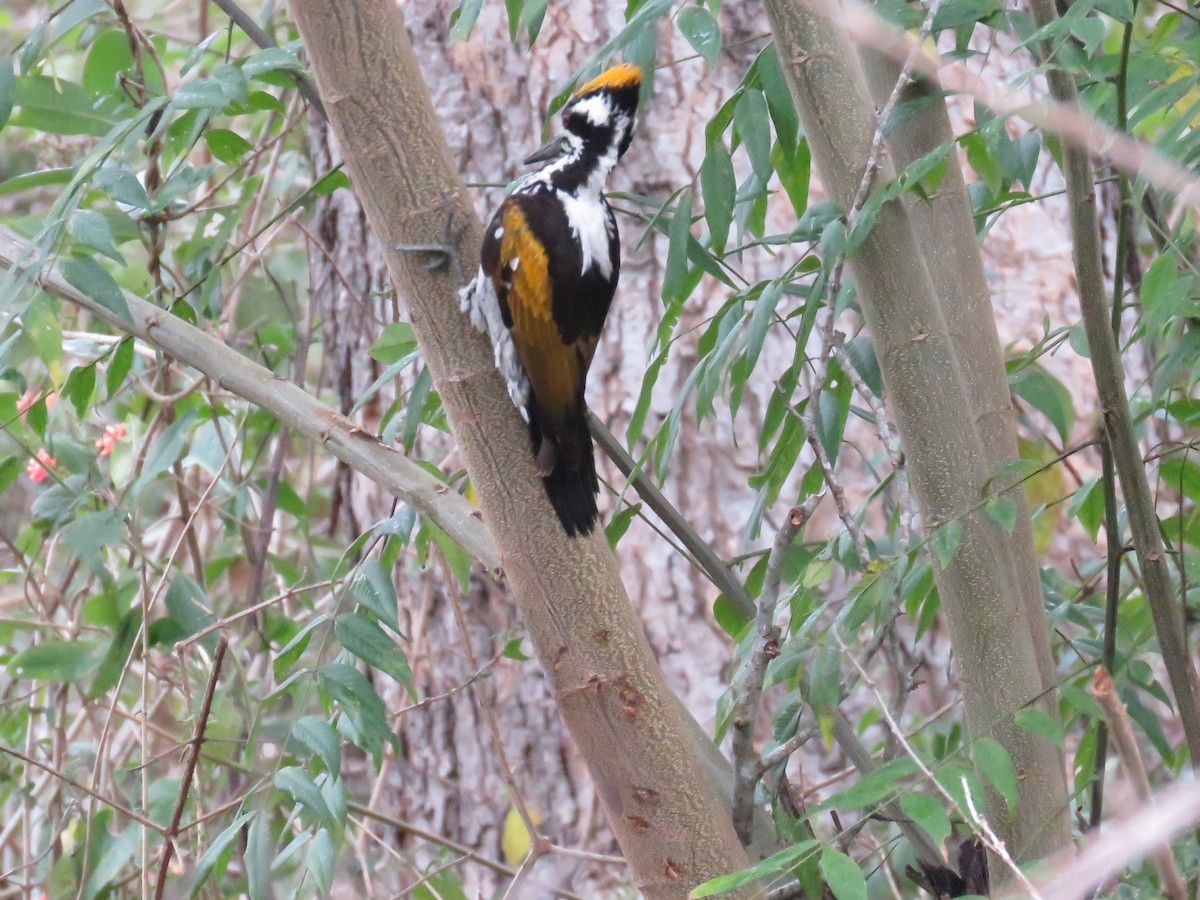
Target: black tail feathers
(565, 447)
(572, 493)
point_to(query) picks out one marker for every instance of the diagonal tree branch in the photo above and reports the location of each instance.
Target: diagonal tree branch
(290, 404)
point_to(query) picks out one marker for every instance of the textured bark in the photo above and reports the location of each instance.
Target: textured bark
(667, 812)
(1000, 671)
(944, 228)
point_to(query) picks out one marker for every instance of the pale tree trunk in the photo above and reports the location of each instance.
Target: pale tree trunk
(986, 603)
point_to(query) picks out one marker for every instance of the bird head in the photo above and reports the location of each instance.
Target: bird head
(598, 120)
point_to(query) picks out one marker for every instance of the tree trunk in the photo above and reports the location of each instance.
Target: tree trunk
(669, 816)
(1000, 664)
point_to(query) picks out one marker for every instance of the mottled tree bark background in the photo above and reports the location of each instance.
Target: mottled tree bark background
(491, 95)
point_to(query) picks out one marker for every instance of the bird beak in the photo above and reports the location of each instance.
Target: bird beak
(552, 150)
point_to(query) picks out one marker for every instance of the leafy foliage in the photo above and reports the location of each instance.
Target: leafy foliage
(136, 494)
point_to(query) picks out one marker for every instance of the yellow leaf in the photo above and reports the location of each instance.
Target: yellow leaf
(1045, 488)
(515, 840)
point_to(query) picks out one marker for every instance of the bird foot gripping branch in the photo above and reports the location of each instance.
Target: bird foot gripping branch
(548, 269)
(441, 255)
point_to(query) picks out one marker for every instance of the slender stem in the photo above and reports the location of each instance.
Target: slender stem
(715, 568)
(746, 765)
(1112, 527)
(1114, 402)
(189, 770)
(1170, 881)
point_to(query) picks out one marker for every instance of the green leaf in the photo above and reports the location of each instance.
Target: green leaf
(513, 8)
(372, 645)
(117, 851)
(675, 288)
(751, 122)
(997, 767)
(10, 471)
(119, 365)
(1087, 505)
(109, 56)
(928, 813)
(330, 182)
(297, 784)
(227, 146)
(779, 102)
(615, 530)
(1182, 475)
(462, 20)
(396, 342)
(353, 692)
(772, 865)
(122, 185)
(38, 178)
(373, 590)
(701, 31)
(320, 861)
(1082, 701)
(56, 106)
(718, 187)
(259, 850)
(290, 652)
(91, 278)
(200, 93)
(729, 617)
(843, 876)
(58, 660)
(7, 89)
(945, 541)
(42, 324)
(1038, 721)
(91, 533)
(1046, 394)
(319, 737)
(117, 655)
(213, 853)
(825, 680)
(1003, 511)
(512, 650)
(80, 386)
(270, 59)
(92, 230)
(871, 789)
(166, 450)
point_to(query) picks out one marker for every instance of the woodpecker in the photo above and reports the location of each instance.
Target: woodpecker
(548, 270)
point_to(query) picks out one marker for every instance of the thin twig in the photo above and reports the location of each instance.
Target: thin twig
(746, 765)
(189, 770)
(245, 21)
(1170, 881)
(95, 795)
(715, 568)
(990, 838)
(537, 844)
(1077, 875)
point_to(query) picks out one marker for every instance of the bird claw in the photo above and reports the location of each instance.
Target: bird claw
(445, 253)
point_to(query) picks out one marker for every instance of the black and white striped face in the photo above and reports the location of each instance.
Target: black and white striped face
(598, 126)
(602, 121)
